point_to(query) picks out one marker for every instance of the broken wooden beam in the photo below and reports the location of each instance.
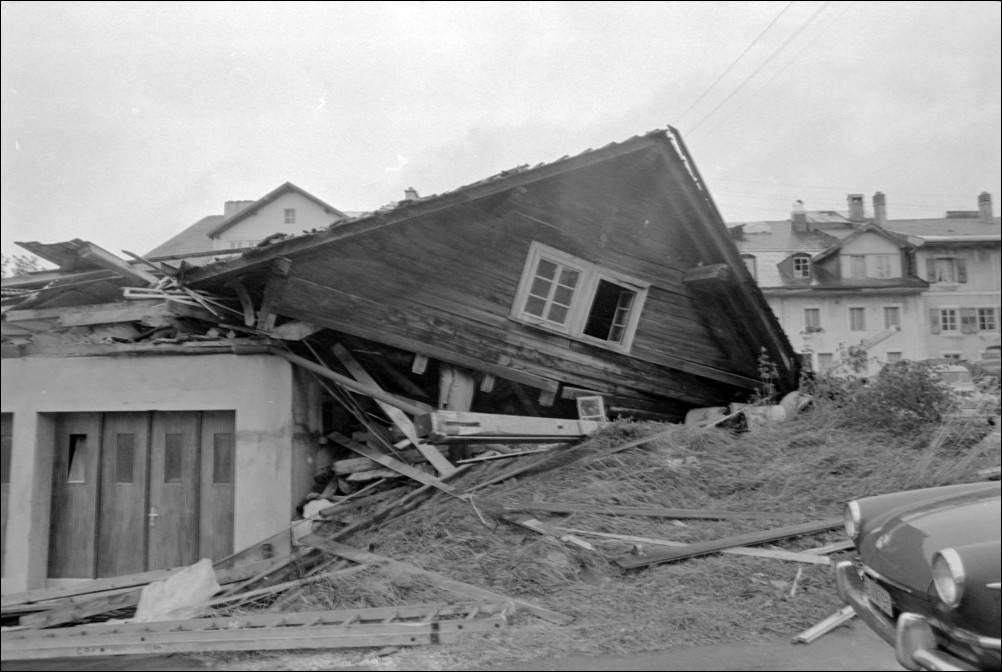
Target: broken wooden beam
(349, 628)
(788, 556)
(466, 427)
(353, 385)
(438, 580)
(396, 416)
(651, 512)
(748, 539)
(843, 615)
(81, 607)
(394, 464)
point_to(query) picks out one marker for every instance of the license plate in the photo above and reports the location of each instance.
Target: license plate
(878, 596)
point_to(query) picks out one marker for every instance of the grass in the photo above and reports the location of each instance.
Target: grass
(809, 466)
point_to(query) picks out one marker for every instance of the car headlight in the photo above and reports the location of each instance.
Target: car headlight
(850, 515)
(948, 576)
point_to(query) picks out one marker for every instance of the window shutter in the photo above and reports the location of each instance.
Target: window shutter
(934, 320)
(968, 320)
(930, 269)
(961, 269)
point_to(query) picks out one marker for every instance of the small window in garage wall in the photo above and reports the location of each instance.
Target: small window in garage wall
(125, 458)
(76, 470)
(222, 458)
(893, 357)
(173, 457)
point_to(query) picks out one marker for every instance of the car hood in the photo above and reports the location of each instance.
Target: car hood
(901, 547)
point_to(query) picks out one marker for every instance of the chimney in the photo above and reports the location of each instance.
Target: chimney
(856, 213)
(799, 217)
(233, 207)
(879, 209)
(410, 194)
(985, 207)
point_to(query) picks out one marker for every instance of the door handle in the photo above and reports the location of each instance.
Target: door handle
(153, 515)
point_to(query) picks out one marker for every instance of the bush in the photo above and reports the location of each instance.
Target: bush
(905, 396)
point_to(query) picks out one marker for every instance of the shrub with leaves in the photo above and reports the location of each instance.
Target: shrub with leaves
(904, 396)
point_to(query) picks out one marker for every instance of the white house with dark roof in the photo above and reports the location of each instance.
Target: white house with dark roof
(286, 210)
(904, 289)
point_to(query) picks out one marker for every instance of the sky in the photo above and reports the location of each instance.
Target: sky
(125, 122)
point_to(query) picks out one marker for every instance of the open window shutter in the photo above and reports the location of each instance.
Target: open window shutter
(930, 270)
(968, 320)
(961, 269)
(934, 320)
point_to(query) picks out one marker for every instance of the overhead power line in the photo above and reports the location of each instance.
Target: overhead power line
(757, 70)
(735, 62)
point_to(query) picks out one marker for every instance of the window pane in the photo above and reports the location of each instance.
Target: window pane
(76, 465)
(222, 458)
(540, 287)
(173, 457)
(569, 278)
(546, 269)
(535, 306)
(563, 295)
(557, 314)
(125, 458)
(892, 317)
(610, 312)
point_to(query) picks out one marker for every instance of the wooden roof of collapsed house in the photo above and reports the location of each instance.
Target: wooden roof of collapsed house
(610, 271)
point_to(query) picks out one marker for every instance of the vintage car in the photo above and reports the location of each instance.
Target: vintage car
(926, 574)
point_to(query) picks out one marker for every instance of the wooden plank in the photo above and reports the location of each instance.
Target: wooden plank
(101, 313)
(751, 538)
(94, 586)
(697, 514)
(398, 417)
(789, 556)
(250, 639)
(109, 261)
(843, 615)
(350, 383)
(182, 309)
(295, 330)
(81, 607)
(364, 557)
(246, 304)
(450, 424)
(395, 465)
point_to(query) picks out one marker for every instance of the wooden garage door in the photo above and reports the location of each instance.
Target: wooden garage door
(139, 491)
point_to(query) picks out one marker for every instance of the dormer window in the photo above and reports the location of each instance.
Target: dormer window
(802, 266)
(561, 293)
(290, 215)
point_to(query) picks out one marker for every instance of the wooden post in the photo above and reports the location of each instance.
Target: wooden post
(456, 387)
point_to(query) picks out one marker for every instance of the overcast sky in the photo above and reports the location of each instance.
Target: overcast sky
(123, 123)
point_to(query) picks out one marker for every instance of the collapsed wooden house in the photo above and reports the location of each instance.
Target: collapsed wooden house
(608, 274)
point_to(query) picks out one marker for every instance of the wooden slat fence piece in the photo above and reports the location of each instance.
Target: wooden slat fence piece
(437, 580)
(705, 514)
(95, 586)
(843, 545)
(706, 547)
(82, 607)
(309, 630)
(395, 465)
(788, 556)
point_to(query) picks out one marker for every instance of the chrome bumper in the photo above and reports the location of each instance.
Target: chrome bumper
(916, 649)
(912, 637)
(850, 589)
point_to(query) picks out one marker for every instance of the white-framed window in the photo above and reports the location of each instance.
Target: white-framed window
(565, 294)
(948, 270)
(857, 266)
(750, 264)
(812, 320)
(290, 215)
(882, 265)
(949, 319)
(987, 319)
(802, 266)
(857, 319)
(892, 317)
(894, 357)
